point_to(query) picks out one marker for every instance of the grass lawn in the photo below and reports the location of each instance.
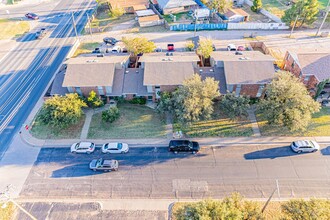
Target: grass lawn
(319, 126)
(182, 16)
(42, 131)
(272, 212)
(12, 29)
(86, 48)
(217, 126)
(135, 121)
(7, 212)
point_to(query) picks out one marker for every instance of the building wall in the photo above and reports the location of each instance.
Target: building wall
(86, 90)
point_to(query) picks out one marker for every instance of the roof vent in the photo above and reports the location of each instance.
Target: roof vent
(92, 61)
(164, 59)
(170, 59)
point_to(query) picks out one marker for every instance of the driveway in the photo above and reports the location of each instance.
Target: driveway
(153, 172)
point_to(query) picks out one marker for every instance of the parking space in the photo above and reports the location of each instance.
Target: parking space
(153, 172)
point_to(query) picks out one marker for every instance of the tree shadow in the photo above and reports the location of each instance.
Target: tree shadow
(270, 153)
(325, 151)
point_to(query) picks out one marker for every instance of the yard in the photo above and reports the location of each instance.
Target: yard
(319, 126)
(42, 131)
(182, 17)
(103, 20)
(12, 29)
(135, 121)
(86, 48)
(217, 126)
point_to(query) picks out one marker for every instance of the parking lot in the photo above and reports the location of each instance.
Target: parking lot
(153, 172)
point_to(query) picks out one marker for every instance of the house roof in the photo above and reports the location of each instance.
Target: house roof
(139, 7)
(127, 3)
(149, 18)
(252, 67)
(160, 69)
(143, 13)
(237, 11)
(314, 63)
(175, 3)
(91, 71)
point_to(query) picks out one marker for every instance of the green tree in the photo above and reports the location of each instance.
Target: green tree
(138, 45)
(288, 103)
(220, 6)
(306, 10)
(233, 207)
(62, 111)
(205, 48)
(93, 100)
(299, 209)
(257, 5)
(116, 12)
(234, 106)
(165, 103)
(111, 114)
(190, 46)
(194, 100)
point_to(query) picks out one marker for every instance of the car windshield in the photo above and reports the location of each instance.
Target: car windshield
(119, 146)
(106, 146)
(190, 145)
(311, 144)
(77, 145)
(99, 162)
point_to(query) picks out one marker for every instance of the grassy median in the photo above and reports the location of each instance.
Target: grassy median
(12, 29)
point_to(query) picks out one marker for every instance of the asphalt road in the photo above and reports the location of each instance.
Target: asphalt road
(153, 172)
(27, 70)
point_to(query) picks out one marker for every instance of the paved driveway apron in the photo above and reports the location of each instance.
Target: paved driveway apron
(151, 172)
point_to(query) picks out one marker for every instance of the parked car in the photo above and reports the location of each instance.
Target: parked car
(241, 48)
(115, 148)
(83, 147)
(325, 103)
(170, 47)
(110, 40)
(96, 50)
(103, 165)
(231, 47)
(183, 145)
(40, 34)
(32, 16)
(305, 146)
(116, 49)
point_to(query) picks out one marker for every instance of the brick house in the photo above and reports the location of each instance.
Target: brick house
(166, 73)
(311, 67)
(246, 73)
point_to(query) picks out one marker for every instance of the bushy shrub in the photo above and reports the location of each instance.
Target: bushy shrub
(111, 114)
(190, 46)
(116, 12)
(299, 209)
(234, 106)
(93, 100)
(138, 100)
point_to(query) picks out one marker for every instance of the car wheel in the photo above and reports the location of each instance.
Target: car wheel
(194, 152)
(313, 151)
(74, 152)
(175, 152)
(88, 152)
(299, 151)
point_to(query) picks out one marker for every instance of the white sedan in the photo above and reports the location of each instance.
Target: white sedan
(115, 148)
(83, 147)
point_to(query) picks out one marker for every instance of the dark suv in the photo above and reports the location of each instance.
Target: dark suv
(183, 145)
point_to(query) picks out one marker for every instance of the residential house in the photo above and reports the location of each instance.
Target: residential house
(100, 74)
(129, 5)
(236, 15)
(311, 67)
(165, 72)
(176, 6)
(244, 72)
(147, 18)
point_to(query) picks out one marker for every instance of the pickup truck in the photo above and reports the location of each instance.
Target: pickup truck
(40, 34)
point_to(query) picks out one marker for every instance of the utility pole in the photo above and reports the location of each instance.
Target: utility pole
(325, 17)
(6, 196)
(74, 25)
(89, 25)
(294, 24)
(195, 22)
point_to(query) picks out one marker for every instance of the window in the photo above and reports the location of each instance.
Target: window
(70, 89)
(261, 88)
(78, 90)
(119, 146)
(292, 65)
(306, 78)
(300, 74)
(238, 90)
(100, 90)
(108, 90)
(288, 57)
(157, 87)
(230, 88)
(149, 88)
(149, 97)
